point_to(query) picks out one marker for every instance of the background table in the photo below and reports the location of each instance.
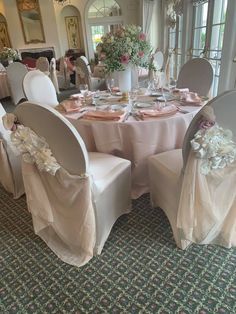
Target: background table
(4, 89)
(135, 140)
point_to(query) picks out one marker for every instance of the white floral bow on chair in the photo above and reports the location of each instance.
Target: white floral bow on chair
(213, 144)
(34, 149)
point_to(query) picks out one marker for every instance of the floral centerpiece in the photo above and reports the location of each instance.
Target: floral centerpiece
(127, 45)
(8, 54)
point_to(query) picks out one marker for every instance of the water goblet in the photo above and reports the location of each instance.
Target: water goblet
(110, 82)
(83, 89)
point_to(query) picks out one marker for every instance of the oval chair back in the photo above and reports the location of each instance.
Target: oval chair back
(197, 75)
(64, 141)
(39, 88)
(16, 72)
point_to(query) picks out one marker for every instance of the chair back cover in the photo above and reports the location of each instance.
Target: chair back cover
(224, 107)
(2, 68)
(87, 63)
(16, 72)
(42, 64)
(39, 88)
(63, 75)
(10, 163)
(83, 75)
(197, 75)
(53, 74)
(64, 141)
(207, 204)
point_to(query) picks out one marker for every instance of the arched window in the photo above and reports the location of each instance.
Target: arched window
(104, 8)
(102, 16)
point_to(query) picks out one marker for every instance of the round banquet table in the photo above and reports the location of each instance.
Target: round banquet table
(4, 89)
(135, 140)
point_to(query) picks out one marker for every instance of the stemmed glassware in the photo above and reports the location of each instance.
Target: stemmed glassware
(110, 82)
(83, 89)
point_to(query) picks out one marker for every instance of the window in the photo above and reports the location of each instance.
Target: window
(103, 16)
(175, 46)
(208, 33)
(199, 29)
(103, 8)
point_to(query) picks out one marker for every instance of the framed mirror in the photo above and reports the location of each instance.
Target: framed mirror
(31, 21)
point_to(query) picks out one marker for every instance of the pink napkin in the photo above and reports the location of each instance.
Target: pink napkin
(181, 90)
(156, 113)
(105, 115)
(79, 95)
(71, 105)
(190, 99)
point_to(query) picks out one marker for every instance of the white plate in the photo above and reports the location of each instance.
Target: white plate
(143, 104)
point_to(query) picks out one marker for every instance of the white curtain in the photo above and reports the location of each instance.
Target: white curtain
(147, 11)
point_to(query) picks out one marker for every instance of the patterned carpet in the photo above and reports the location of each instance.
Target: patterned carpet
(139, 271)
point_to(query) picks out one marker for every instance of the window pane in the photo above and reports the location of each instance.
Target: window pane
(97, 32)
(201, 15)
(196, 52)
(102, 8)
(172, 40)
(217, 36)
(199, 38)
(220, 7)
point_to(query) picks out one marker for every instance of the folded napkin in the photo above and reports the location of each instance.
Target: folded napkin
(156, 113)
(71, 105)
(190, 98)
(105, 115)
(180, 90)
(79, 95)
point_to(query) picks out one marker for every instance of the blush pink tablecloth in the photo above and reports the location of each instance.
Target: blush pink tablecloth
(135, 140)
(4, 89)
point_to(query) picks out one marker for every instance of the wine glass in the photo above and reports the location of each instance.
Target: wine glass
(83, 89)
(110, 82)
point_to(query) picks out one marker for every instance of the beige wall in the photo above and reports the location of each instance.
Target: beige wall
(53, 22)
(15, 30)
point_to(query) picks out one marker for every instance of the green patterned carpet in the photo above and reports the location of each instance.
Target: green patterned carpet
(140, 270)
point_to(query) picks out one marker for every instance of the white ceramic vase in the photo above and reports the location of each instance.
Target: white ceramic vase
(124, 79)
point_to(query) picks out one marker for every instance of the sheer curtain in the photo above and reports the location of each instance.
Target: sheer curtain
(147, 11)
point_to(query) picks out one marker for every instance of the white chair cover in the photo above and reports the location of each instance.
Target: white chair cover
(39, 88)
(2, 68)
(53, 74)
(16, 72)
(84, 76)
(10, 164)
(197, 75)
(73, 211)
(63, 75)
(201, 208)
(42, 64)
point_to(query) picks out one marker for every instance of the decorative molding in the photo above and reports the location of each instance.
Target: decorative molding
(174, 8)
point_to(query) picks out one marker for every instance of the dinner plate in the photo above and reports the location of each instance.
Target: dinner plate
(143, 104)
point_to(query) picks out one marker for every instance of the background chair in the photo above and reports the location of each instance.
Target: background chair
(15, 75)
(39, 88)
(10, 164)
(63, 75)
(166, 185)
(84, 75)
(53, 74)
(197, 75)
(71, 212)
(42, 64)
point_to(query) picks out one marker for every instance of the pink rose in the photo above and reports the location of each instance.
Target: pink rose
(142, 36)
(141, 54)
(125, 58)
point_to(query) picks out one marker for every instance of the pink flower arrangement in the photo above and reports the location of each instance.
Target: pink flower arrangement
(127, 45)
